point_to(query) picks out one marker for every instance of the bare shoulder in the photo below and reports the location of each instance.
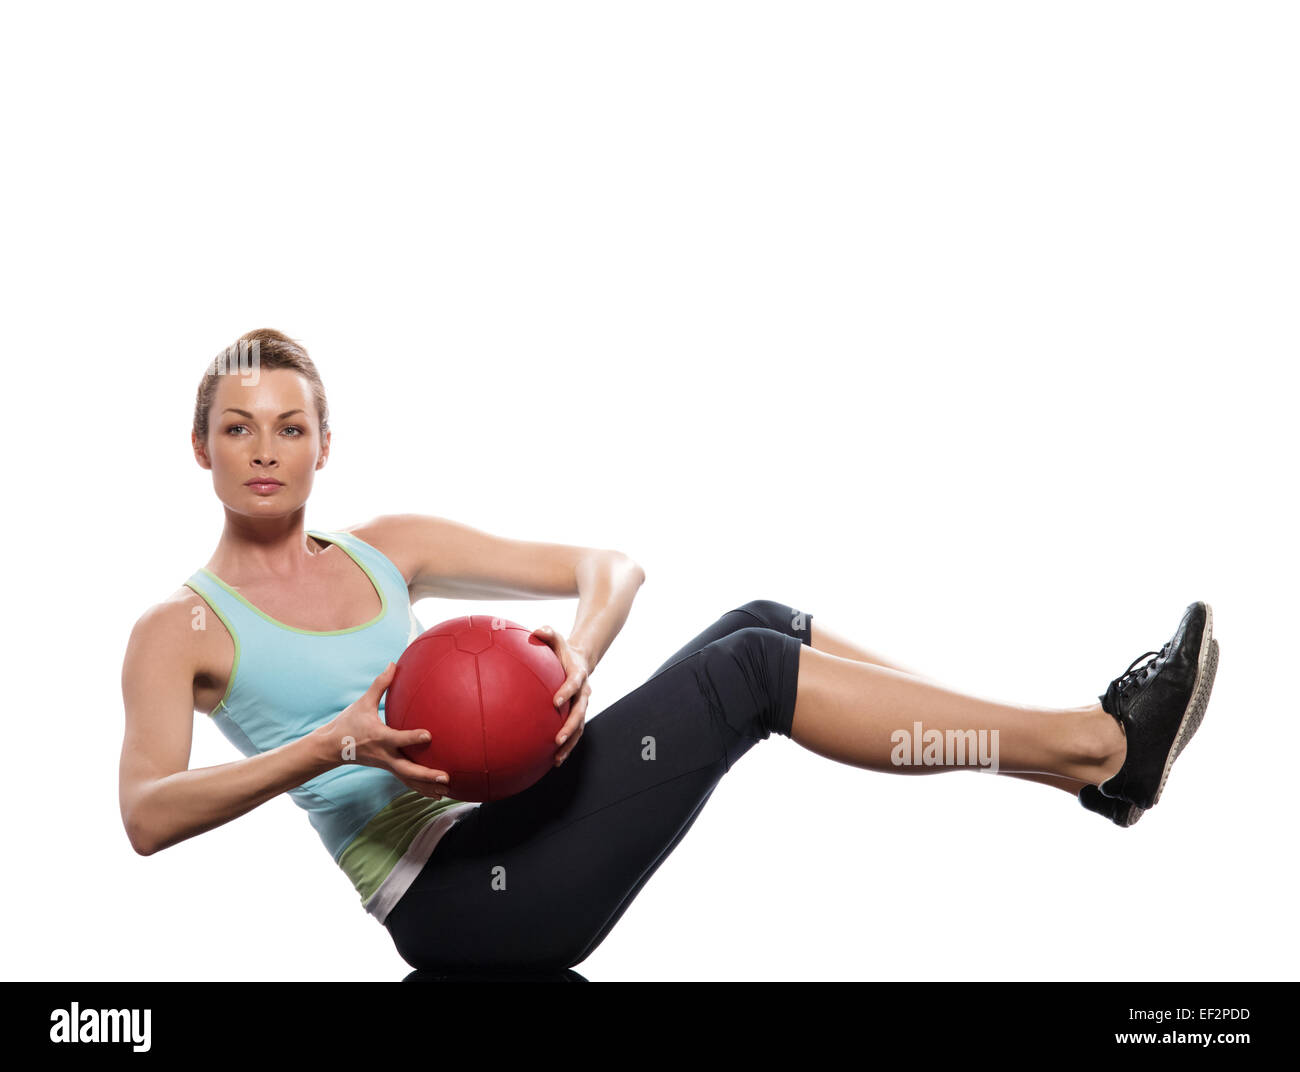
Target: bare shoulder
(166, 632)
(179, 644)
(401, 538)
(174, 610)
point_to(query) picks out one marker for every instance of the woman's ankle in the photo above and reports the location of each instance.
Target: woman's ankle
(1100, 746)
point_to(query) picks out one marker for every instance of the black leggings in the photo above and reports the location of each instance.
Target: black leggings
(536, 881)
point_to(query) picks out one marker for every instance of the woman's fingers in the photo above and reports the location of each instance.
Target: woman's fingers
(569, 746)
(381, 682)
(571, 685)
(574, 690)
(409, 738)
(575, 676)
(577, 713)
(573, 726)
(423, 776)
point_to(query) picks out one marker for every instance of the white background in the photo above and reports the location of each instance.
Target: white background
(969, 328)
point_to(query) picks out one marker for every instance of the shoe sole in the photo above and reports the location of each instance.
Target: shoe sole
(1206, 665)
(1133, 815)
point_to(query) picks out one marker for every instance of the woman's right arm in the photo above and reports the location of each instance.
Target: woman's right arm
(163, 802)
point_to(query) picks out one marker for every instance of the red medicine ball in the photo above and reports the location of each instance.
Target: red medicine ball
(484, 689)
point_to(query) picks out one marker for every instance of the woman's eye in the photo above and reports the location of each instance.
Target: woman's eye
(290, 428)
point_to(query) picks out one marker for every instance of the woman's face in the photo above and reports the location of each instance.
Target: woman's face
(264, 444)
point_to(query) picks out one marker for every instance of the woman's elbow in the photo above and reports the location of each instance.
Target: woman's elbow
(635, 569)
(141, 846)
(139, 835)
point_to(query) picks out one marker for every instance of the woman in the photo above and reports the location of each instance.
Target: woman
(288, 638)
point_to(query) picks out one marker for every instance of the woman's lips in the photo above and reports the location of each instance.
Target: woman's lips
(264, 487)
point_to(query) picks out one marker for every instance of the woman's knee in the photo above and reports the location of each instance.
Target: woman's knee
(749, 679)
(773, 614)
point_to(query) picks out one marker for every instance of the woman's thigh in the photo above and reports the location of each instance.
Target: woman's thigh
(539, 878)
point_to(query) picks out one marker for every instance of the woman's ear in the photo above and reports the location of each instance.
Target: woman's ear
(200, 451)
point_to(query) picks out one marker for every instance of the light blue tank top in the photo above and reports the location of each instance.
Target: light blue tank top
(286, 681)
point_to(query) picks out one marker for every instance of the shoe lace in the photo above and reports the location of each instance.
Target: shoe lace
(1135, 678)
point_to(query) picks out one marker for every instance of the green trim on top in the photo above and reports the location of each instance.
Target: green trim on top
(383, 598)
(234, 667)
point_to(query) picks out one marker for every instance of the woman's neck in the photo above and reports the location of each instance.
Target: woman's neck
(271, 547)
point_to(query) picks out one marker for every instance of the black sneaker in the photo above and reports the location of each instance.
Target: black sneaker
(1119, 812)
(1160, 705)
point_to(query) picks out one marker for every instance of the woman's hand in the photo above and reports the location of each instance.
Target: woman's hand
(575, 685)
(359, 735)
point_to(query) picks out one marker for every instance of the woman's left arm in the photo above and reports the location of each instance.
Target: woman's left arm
(441, 557)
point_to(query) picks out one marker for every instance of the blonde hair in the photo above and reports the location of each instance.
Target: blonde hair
(275, 351)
